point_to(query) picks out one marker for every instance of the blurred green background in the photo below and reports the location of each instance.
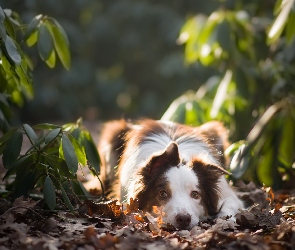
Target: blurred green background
(228, 60)
(125, 60)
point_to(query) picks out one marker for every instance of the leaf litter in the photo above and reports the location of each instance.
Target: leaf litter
(267, 223)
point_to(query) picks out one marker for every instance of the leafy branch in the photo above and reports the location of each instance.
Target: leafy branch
(51, 162)
(16, 67)
(250, 88)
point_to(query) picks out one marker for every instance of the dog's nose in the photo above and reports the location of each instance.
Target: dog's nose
(183, 221)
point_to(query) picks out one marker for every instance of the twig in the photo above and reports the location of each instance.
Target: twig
(102, 188)
(73, 193)
(101, 184)
(14, 208)
(282, 243)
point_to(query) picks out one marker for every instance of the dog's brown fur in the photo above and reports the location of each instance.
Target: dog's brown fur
(112, 135)
(118, 132)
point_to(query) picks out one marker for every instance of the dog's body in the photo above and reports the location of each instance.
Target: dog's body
(174, 167)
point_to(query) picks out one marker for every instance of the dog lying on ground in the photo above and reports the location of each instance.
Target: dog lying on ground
(172, 166)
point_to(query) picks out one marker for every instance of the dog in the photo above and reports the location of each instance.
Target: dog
(175, 167)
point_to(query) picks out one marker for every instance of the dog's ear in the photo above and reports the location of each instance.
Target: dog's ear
(208, 176)
(217, 169)
(160, 162)
(203, 168)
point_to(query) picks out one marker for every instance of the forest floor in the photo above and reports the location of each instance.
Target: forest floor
(267, 223)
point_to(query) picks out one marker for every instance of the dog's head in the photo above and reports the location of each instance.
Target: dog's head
(185, 192)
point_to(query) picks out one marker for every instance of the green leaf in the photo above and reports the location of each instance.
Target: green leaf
(32, 39)
(25, 81)
(78, 188)
(9, 28)
(280, 22)
(287, 143)
(91, 152)
(190, 114)
(240, 162)
(265, 167)
(83, 189)
(177, 110)
(25, 180)
(49, 193)
(290, 27)
(66, 199)
(30, 133)
(79, 151)
(223, 35)
(78, 135)
(2, 31)
(256, 132)
(51, 136)
(7, 136)
(4, 125)
(37, 143)
(12, 149)
(61, 44)
(233, 148)
(60, 28)
(46, 126)
(2, 15)
(7, 65)
(51, 60)
(243, 81)
(69, 127)
(32, 28)
(69, 154)
(8, 12)
(189, 34)
(12, 51)
(278, 7)
(3, 99)
(59, 164)
(208, 33)
(208, 38)
(22, 162)
(221, 93)
(45, 43)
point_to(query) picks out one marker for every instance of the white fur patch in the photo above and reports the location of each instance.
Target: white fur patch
(182, 181)
(229, 202)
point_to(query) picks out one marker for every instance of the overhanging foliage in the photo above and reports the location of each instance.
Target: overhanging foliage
(250, 88)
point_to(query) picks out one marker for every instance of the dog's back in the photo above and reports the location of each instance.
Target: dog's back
(111, 146)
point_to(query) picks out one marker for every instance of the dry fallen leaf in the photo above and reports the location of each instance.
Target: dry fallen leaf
(107, 226)
(107, 209)
(132, 207)
(21, 202)
(153, 224)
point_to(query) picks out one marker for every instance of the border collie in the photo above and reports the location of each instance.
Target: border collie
(175, 167)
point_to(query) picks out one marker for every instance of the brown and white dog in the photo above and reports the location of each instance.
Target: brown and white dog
(172, 166)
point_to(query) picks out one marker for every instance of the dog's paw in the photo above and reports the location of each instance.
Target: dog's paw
(230, 208)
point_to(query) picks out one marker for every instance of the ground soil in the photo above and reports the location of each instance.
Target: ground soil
(267, 224)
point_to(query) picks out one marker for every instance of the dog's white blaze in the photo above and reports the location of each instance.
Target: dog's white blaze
(182, 181)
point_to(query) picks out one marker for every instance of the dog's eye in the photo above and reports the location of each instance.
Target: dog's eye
(195, 195)
(163, 194)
